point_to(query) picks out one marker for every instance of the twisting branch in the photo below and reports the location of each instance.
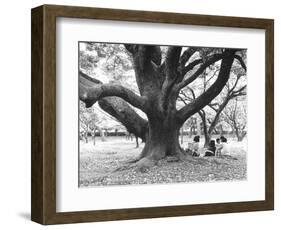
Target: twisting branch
(214, 90)
(242, 63)
(190, 66)
(183, 100)
(171, 65)
(119, 109)
(147, 63)
(213, 108)
(183, 68)
(90, 95)
(187, 98)
(230, 89)
(213, 75)
(192, 92)
(172, 60)
(214, 58)
(239, 92)
(124, 113)
(187, 54)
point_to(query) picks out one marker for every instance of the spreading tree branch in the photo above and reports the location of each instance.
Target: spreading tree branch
(242, 63)
(187, 55)
(239, 92)
(190, 66)
(119, 109)
(213, 91)
(214, 58)
(91, 94)
(171, 66)
(123, 112)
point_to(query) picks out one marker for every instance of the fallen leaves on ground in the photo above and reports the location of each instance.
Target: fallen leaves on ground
(98, 168)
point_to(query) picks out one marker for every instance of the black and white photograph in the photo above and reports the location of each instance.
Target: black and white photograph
(160, 114)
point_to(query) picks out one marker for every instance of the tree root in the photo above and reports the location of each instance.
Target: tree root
(132, 160)
(123, 168)
(142, 164)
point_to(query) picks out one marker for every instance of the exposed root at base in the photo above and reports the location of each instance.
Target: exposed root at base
(132, 160)
(144, 163)
(124, 167)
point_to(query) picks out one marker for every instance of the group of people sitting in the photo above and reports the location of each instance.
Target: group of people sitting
(214, 148)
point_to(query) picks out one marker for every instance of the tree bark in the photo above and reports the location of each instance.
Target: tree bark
(162, 141)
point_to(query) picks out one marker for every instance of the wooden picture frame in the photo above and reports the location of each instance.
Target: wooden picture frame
(43, 160)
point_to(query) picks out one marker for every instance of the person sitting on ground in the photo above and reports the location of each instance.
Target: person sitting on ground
(224, 150)
(195, 146)
(211, 150)
(219, 147)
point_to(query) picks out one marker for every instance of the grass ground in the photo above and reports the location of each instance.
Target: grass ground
(98, 164)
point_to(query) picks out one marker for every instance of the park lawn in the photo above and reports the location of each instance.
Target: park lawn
(98, 165)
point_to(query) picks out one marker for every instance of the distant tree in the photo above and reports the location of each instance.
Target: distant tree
(236, 116)
(137, 141)
(88, 122)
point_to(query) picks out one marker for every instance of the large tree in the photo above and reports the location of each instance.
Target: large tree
(160, 75)
(236, 116)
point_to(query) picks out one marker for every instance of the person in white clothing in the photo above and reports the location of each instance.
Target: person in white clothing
(224, 149)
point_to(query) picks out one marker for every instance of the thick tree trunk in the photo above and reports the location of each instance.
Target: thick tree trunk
(207, 134)
(162, 141)
(240, 136)
(207, 137)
